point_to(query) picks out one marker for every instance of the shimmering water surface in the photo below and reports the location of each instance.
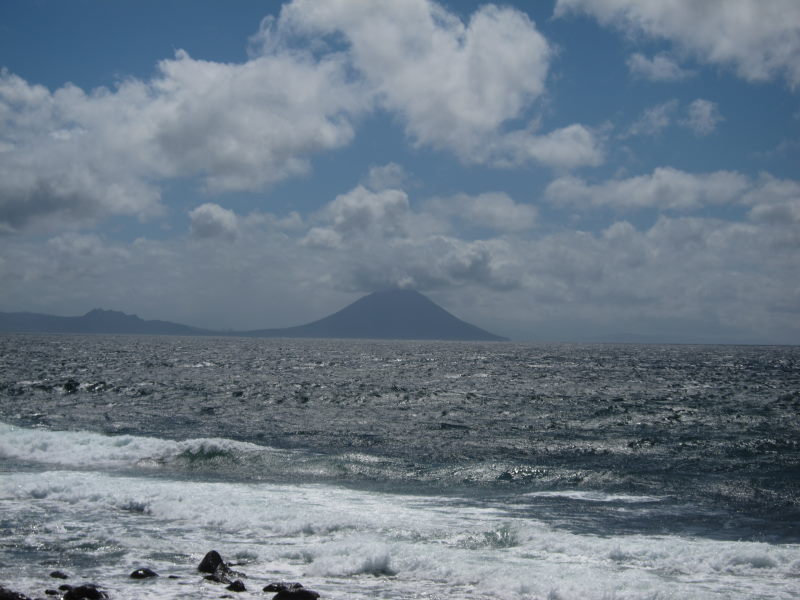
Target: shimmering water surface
(402, 469)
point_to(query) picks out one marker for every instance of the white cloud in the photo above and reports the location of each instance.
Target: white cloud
(453, 82)
(665, 188)
(685, 277)
(654, 119)
(455, 85)
(212, 221)
(363, 211)
(493, 210)
(760, 40)
(388, 176)
(702, 117)
(775, 201)
(566, 148)
(661, 67)
(71, 158)
(74, 157)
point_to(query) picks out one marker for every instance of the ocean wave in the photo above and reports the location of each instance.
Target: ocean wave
(85, 449)
(361, 544)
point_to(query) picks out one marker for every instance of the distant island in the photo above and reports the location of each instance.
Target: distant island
(392, 314)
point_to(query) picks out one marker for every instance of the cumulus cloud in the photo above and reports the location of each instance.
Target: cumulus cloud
(654, 119)
(662, 67)
(373, 240)
(681, 271)
(493, 210)
(455, 85)
(74, 156)
(775, 201)
(566, 148)
(760, 40)
(768, 198)
(388, 176)
(212, 221)
(702, 117)
(363, 211)
(737, 276)
(665, 188)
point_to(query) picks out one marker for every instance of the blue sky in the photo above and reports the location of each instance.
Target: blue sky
(605, 170)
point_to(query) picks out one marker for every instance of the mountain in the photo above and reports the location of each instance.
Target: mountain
(95, 321)
(392, 314)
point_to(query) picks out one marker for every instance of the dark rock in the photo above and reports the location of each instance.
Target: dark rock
(218, 577)
(10, 595)
(59, 575)
(237, 586)
(85, 592)
(296, 594)
(65, 587)
(51, 592)
(71, 386)
(211, 562)
(282, 586)
(144, 573)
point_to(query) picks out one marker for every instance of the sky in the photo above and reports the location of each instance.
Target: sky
(566, 170)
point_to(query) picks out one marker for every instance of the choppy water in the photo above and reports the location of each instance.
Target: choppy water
(402, 469)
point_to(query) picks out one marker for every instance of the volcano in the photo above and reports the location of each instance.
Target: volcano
(392, 314)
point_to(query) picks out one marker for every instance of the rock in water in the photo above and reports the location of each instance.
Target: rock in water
(296, 594)
(236, 586)
(59, 575)
(282, 586)
(10, 595)
(85, 592)
(144, 573)
(211, 562)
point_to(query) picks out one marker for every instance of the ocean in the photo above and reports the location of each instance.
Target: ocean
(399, 470)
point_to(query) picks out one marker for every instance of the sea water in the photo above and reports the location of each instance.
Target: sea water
(371, 469)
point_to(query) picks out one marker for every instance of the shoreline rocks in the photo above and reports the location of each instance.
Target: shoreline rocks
(143, 573)
(213, 565)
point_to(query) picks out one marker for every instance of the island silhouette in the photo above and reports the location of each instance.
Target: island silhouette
(399, 314)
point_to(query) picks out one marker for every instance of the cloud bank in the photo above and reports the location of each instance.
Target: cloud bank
(72, 157)
(680, 269)
(759, 40)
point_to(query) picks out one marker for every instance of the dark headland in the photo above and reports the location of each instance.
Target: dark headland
(391, 314)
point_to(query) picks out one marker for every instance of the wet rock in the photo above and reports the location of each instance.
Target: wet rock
(282, 586)
(296, 594)
(71, 386)
(85, 592)
(143, 573)
(218, 577)
(65, 587)
(59, 575)
(236, 586)
(11, 595)
(51, 592)
(211, 562)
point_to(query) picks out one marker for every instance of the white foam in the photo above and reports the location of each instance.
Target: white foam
(593, 496)
(93, 450)
(356, 544)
